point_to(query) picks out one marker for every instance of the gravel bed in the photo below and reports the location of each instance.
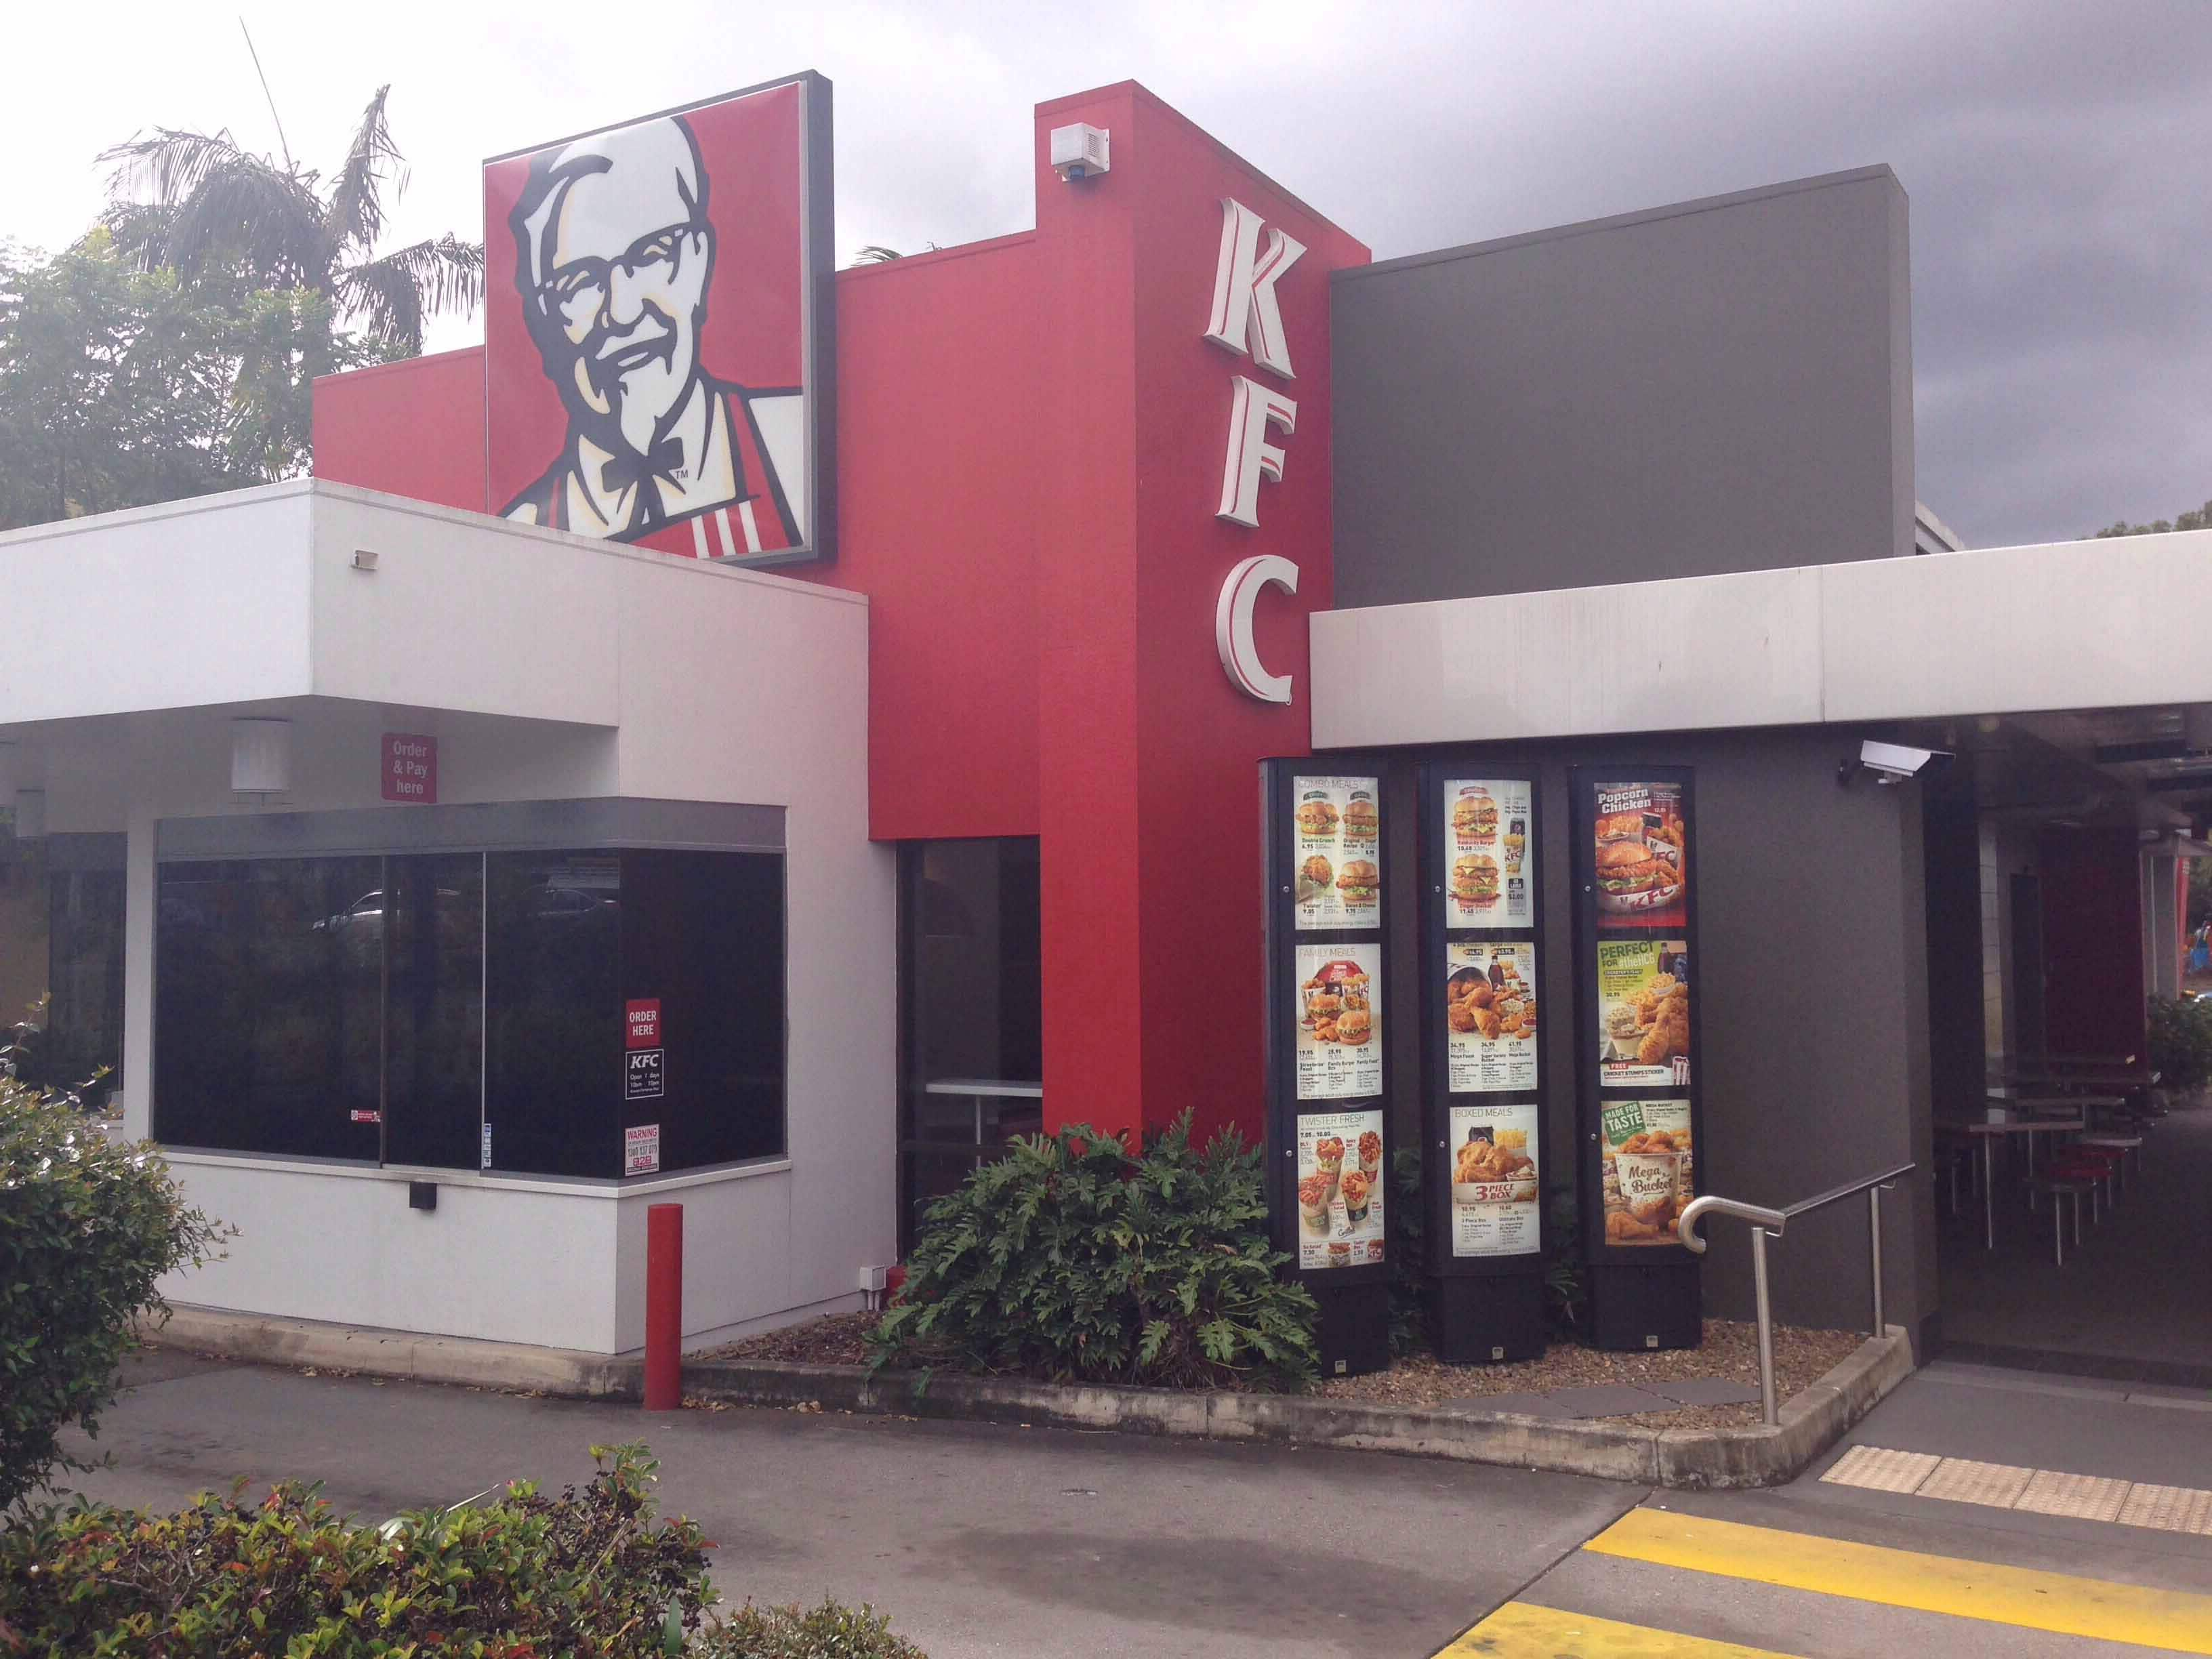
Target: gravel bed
(1730, 1350)
(838, 1340)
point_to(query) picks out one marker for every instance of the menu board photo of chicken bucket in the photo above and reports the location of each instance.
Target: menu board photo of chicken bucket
(1646, 1173)
(1339, 1028)
(1340, 1188)
(1641, 868)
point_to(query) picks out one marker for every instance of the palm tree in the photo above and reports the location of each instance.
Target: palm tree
(198, 203)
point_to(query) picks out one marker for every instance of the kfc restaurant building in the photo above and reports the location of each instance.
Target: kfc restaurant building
(759, 735)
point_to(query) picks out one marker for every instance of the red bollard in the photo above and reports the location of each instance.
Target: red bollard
(664, 1306)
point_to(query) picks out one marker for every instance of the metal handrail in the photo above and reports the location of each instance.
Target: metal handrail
(1766, 1224)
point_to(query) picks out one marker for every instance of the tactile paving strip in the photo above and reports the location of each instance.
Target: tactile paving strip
(1964, 1481)
(1875, 1468)
(2082, 1497)
(2169, 1509)
(2038, 1492)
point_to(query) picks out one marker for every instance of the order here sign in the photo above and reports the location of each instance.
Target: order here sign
(411, 768)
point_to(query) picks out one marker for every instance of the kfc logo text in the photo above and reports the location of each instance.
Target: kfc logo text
(1246, 319)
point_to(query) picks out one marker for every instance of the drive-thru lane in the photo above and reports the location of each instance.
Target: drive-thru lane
(976, 1540)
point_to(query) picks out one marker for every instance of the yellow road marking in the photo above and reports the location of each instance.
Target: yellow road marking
(1518, 1631)
(2173, 1620)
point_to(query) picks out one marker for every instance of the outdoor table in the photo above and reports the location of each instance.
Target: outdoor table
(1989, 1134)
(980, 1089)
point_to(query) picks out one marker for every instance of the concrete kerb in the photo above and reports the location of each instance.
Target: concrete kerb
(1811, 1422)
(460, 1360)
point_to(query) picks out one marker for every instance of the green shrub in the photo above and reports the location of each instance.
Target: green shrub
(1566, 1298)
(87, 1227)
(829, 1632)
(2181, 1042)
(524, 1576)
(1070, 1258)
(1407, 1221)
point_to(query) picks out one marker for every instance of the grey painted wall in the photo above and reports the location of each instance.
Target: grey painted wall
(1812, 966)
(1722, 385)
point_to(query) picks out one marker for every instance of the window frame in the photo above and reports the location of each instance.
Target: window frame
(611, 825)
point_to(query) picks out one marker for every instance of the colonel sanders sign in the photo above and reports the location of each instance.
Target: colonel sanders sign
(651, 353)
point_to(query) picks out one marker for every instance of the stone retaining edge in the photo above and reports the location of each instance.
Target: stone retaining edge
(1694, 1459)
(465, 1361)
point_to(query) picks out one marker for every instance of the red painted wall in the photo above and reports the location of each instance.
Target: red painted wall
(414, 429)
(2093, 948)
(940, 426)
(1031, 433)
(1153, 992)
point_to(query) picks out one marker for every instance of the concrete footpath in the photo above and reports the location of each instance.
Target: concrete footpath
(976, 1539)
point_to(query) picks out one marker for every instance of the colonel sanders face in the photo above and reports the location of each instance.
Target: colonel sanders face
(613, 254)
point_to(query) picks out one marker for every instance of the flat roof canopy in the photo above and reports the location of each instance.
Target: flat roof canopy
(2116, 623)
(262, 594)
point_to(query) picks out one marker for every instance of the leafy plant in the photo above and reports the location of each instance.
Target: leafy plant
(1072, 1260)
(88, 1228)
(1565, 1296)
(2180, 1036)
(829, 1632)
(524, 1576)
(1408, 1222)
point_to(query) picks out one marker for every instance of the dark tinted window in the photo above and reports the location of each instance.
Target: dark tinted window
(553, 1032)
(434, 1010)
(268, 1009)
(449, 1010)
(703, 935)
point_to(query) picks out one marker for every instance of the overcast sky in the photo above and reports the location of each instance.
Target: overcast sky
(2058, 156)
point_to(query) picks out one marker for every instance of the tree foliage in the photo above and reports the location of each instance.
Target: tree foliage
(199, 203)
(88, 1228)
(120, 388)
(2197, 518)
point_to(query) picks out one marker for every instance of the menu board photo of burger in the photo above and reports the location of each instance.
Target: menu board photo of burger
(1643, 1013)
(1340, 1188)
(1339, 1025)
(1489, 862)
(1490, 1017)
(1641, 865)
(1336, 852)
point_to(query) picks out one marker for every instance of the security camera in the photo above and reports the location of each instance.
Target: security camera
(1892, 762)
(1081, 151)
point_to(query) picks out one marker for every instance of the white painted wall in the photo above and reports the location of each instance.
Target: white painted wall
(2100, 624)
(192, 602)
(549, 667)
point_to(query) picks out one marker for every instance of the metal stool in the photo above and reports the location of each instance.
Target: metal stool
(2130, 1147)
(2097, 1174)
(2060, 1187)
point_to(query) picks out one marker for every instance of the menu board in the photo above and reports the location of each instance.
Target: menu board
(1495, 1183)
(1640, 864)
(1490, 1017)
(1339, 1021)
(1336, 853)
(1490, 866)
(1341, 1185)
(1643, 1013)
(1645, 1171)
